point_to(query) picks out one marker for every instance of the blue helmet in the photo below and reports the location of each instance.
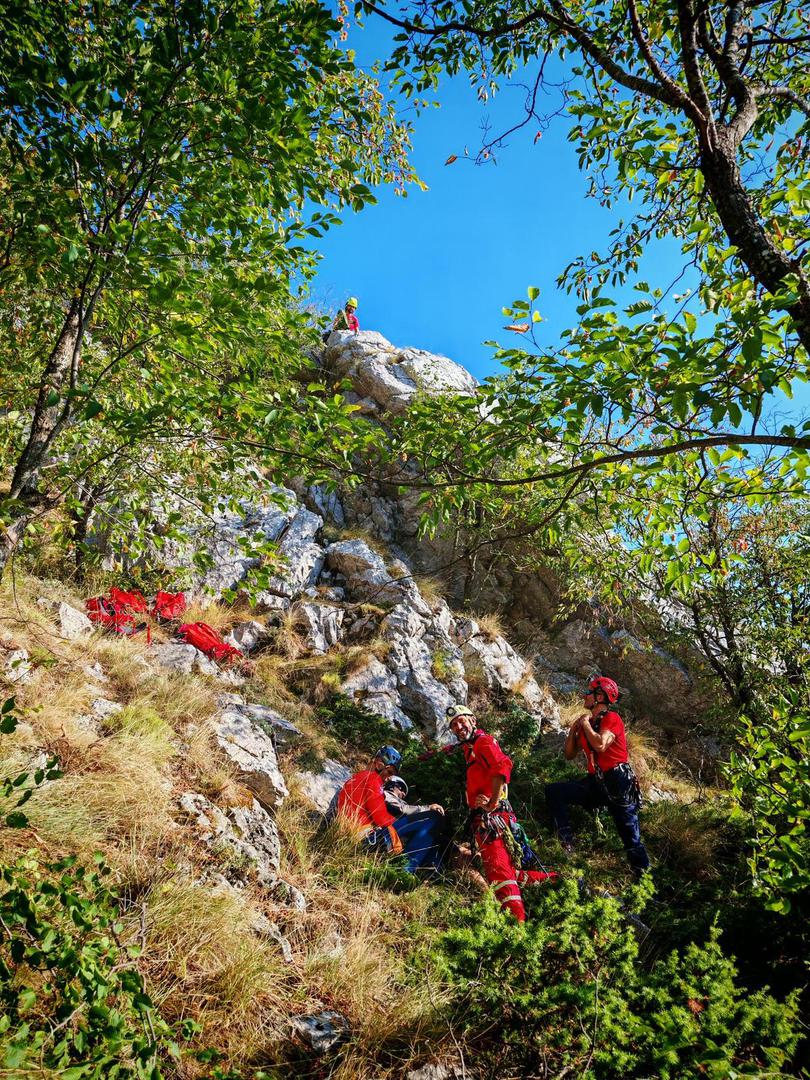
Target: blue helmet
(388, 755)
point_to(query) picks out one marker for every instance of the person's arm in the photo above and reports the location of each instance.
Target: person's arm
(597, 740)
(491, 803)
(571, 739)
(376, 808)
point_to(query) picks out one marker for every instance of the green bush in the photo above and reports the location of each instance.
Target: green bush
(567, 993)
(357, 728)
(72, 1000)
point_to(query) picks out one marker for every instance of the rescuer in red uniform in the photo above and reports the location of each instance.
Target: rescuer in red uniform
(498, 838)
(599, 734)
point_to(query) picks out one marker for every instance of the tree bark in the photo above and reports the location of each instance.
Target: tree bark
(767, 265)
(50, 416)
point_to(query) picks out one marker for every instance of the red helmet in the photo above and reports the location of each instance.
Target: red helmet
(608, 685)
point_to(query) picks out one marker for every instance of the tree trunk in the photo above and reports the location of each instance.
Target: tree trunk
(50, 416)
(766, 263)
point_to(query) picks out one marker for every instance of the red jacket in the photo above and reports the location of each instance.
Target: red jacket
(485, 760)
(616, 753)
(361, 800)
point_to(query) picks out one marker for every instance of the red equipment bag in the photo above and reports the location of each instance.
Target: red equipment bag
(208, 641)
(169, 606)
(133, 603)
(101, 609)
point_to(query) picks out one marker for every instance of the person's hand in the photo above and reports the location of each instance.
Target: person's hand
(483, 802)
(437, 807)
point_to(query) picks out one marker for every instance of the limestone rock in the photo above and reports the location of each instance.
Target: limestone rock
(367, 577)
(302, 557)
(17, 666)
(436, 1070)
(387, 379)
(264, 928)
(182, 658)
(95, 671)
(320, 788)
(252, 751)
(495, 664)
(73, 623)
(280, 730)
(285, 893)
(247, 636)
(322, 625)
(376, 688)
(227, 535)
(321, 1031)
(103, 708)
(420, 648)
(248, 833)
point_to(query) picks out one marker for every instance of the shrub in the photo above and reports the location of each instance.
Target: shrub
(72, 998)
(358, 729)
(570, 995)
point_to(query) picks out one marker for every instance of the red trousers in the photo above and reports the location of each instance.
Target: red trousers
(505, 879)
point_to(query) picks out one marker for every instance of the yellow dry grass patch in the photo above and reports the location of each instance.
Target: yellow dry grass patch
(490, 625)
(203, 960)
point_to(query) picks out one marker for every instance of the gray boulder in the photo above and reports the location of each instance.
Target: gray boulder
(251, 750)
(321, 1031)
(281, 731)
(17, 667)
(376, 688)
(320, 788)
(322, 625)
(241, 836)
(182, 658)
(247, 636)
(388, 379)
(73, 623)
(367, 577)
(420, 649)
(301, 556)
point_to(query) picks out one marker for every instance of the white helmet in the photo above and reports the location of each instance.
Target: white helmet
(397, 781)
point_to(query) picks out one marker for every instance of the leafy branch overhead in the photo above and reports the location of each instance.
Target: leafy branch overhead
(163, 169)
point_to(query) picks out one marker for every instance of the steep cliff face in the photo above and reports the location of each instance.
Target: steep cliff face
(349, 563)
(564, 647)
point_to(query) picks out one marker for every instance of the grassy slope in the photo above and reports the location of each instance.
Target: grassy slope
(354, 948)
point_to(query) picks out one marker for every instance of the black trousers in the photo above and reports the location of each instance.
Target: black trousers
(591, 795)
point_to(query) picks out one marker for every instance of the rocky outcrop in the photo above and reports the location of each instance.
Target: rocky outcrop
(301, 557)
(321, 625)
(320, 788)
(387, 379)
(251, 750)
(240, 837)
(493, 662)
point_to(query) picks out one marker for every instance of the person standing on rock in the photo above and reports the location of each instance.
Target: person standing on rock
(346, 318)
(499, 839)
(600, 735)
(361, 803)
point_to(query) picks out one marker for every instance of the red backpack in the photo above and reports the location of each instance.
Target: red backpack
(168, 606)
(208, 641)
(114, 615)
(131, 603)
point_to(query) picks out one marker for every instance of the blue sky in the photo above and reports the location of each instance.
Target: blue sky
(433, 270)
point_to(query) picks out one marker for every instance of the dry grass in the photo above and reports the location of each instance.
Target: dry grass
(490, 625)
(288, 640)
(203, 960)
(432, 588)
